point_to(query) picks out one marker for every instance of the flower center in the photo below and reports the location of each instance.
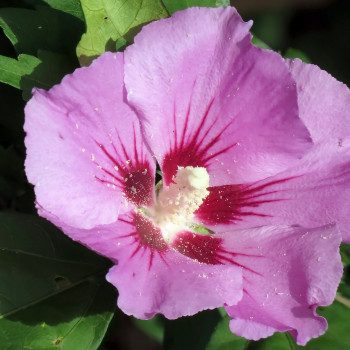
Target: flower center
(176, 204)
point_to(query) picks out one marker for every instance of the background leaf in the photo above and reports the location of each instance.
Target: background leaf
(222, 3)
(29, 71)
(12, 71)
(72, 7)
(45, 46)
(109, 20)
(223, 339)
(31, 30)
(259, 43)
(344, 287)
(188, 333)
(75, 319)
(53, 291)
(153, 327)
(177, 5)
(35, 254)
(278, 341)
(294, 53)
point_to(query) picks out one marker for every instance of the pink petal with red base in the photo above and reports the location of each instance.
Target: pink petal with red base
(295, 271)
(208, 249)
(323, 102)
(151, 276)
(214, 99)
(234, 203)
(175, 287)
(77, 153)
(313, 193)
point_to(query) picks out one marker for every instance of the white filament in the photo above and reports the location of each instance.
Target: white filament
(176, 204)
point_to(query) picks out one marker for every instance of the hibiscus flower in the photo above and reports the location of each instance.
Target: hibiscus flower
(254, 156)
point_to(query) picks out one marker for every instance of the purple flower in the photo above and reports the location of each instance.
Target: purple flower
(254, 153)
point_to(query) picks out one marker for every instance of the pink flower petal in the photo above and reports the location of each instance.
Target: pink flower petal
(163, 281)
(208, 249)
(313, 193)
(151, 277)
(77, 153)
(323, 102)
(234, 203)
(294, 271)
(177, 287)
(207, 97)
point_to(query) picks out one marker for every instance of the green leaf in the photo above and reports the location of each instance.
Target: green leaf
(28, 71)
(223, 339)
(76, 319)
(50, 71)
(294, 53)
(222, 3)
(71, 7)
(188, 333)
(53, 292)
(109, 20)
(344, 287)
(278, 341)
(345, 254)
(259, 43)
(31, 30)
(38, 261)
(272, 26)
(153, 328)
(177, 5)
(12, 71)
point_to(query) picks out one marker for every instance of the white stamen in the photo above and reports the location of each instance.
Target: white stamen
(177, 203)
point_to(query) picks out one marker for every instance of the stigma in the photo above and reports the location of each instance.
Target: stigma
(175, 205)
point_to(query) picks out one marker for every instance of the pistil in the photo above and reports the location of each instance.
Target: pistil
(176, 204)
